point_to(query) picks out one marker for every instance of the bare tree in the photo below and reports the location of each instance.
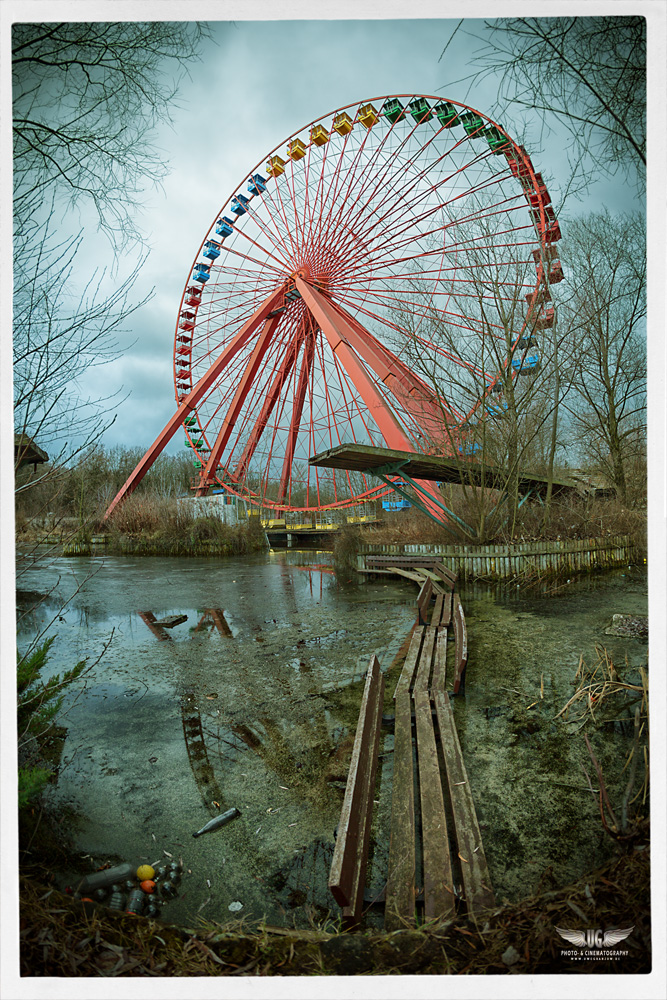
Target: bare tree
(605, 318)
(491, 354)
(588, 73)
(86, 102)
(57, 338)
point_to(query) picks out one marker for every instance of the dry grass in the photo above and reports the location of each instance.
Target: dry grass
(600, 698)
(601, 694)
(148, 513)
(62, 937)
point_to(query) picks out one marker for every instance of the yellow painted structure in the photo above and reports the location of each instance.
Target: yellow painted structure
(368, 115)
(296, 149)
(342, 123)
(275, 166)
(319, 135)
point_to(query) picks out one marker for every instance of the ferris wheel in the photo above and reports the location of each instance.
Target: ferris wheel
(375, 245)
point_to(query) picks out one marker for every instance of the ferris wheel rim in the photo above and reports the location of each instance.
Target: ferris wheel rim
(322, 118)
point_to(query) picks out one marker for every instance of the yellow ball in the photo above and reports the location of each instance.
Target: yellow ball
(144, 872)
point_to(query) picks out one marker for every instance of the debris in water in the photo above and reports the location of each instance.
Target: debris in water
(171, 621)
(218, 821)
(629, 626)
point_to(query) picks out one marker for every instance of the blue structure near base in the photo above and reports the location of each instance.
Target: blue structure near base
(396, 503)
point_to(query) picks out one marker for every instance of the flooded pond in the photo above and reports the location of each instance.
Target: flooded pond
(251, 703)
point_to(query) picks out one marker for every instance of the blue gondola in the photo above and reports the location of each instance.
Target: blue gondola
(201, 272)
(527, 364)
(211, 249)
(239, 203)
(224, 227)
(497, 409)
(257, 184)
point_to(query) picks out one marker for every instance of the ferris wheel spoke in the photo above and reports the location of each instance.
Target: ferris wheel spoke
(193, 398)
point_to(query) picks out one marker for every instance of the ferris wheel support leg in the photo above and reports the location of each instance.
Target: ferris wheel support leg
(336, 329)
(191, 400)
(281, 378)
(297, 410)
(411, 392)
(208, 473)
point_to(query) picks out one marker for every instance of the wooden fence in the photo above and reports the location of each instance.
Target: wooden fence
(496, 562)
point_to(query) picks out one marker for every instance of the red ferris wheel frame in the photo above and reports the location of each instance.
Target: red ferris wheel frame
(389, 390)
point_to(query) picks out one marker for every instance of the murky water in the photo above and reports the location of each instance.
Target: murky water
(232, 707)
(249, 703)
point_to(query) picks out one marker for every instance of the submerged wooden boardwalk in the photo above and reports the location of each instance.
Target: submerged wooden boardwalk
(436, 857)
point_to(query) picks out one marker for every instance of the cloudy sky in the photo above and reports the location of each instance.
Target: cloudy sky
(257, 83)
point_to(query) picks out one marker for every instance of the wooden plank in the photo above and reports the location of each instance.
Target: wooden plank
(448, 576)
(438, 586)
(408, 574)
(352, 913)
(461, 642)
(439, 899)
(424, 600)
(427, 571)
(401, 559)
(437, 610)
(447, 610)
(439, 682)
(343, 872)
(400, 889)
(476, 880)
(425, 657)
(405, 680)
